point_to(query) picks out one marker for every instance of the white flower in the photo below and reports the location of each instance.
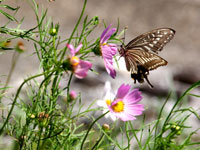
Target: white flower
(109, 96)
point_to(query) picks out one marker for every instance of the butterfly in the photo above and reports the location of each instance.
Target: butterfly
(140, 54)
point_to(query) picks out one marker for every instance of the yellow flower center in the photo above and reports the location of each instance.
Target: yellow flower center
(74, 61)
(108, 102)
(118, 107)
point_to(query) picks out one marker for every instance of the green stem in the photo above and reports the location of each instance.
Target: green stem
(91, 128)
(54, 48)
(179, 100)
(38, 144)
(97, 143)
(77, 24)
(16, 96)
(14, 62)
(69, 82)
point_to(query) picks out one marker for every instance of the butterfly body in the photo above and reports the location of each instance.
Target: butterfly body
(140, 54)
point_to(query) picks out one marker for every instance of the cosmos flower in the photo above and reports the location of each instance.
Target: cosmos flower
(79, 67)
(125, 104)
(108, 50)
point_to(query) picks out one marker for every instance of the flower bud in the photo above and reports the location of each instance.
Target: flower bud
(32, 116)
(106, 127)
(5, 44)
(20, 47)
(72, 95)
(178, 128)
(178, 133)
(95, 20)
(53, 31)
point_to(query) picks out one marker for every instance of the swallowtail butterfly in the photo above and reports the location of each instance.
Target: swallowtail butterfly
(140, 54)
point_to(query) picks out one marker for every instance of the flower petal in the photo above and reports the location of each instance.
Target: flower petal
(107, 54)
(78, 48)
(104, 33)
(123, 91)
(133, 97)
(82, 69)
(72, 49)
(134, 110)
(108, 35)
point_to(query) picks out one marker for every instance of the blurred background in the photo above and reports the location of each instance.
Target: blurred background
(140, 16)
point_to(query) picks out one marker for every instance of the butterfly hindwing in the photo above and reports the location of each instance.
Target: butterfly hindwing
(154, 40)
(150, 61)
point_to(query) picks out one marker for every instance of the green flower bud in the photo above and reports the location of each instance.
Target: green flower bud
(178, 128)
(95, 20)
(53, 31)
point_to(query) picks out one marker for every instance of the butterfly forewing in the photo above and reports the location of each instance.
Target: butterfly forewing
(154, 40)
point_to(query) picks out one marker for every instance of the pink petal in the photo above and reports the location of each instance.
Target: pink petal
(134, 110)
(125, 116)
(82, 69)
(123, 91)
(133, 97)
(78, 48)
(107, 54)
(104, 32)
(108, 35)
(110, 69)
(71, 48)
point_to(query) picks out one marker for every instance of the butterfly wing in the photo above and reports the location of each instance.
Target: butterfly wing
(148, 60)
(140, 62)
(154, 40)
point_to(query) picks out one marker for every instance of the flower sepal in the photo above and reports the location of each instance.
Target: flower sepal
(66, 65)
(97, 50)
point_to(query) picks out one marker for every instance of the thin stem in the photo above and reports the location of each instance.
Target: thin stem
(159, 116)
(77, 24)
(180, 99)
(97, 143)
(91, 128)
(16, 96)
(14, 62)
(69, 82)
(38, 144)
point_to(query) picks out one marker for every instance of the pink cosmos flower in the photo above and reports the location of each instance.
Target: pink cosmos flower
(80, 67)
(125, 105)
(108, 50)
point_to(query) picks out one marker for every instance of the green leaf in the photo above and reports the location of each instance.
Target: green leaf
(9, 7)
(8, 16)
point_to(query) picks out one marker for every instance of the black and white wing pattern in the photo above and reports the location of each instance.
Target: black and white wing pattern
(154, 40)
(148, 60)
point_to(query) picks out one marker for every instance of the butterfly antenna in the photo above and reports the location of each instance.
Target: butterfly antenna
(125, 28)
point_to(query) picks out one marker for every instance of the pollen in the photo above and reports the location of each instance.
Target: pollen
(75, 61)
(118, 107)
(108, 102)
